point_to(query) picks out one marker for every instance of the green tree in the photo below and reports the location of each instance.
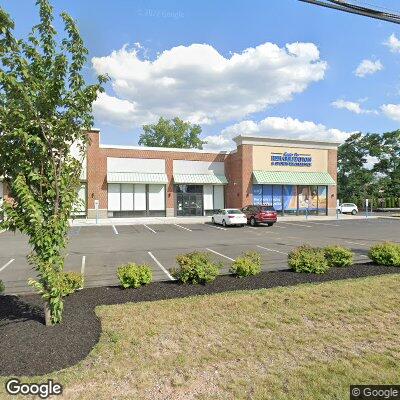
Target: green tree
(172, 133)
(386, 148)
(355, 180)
(45, 107)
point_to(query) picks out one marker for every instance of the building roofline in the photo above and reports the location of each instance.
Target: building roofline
(276, 141)
(165, 149)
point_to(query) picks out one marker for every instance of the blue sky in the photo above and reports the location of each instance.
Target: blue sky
(254, 94)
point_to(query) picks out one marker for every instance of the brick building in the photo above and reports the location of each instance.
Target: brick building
(294, 176)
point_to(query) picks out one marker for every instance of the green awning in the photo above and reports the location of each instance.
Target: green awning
(136, 177)
(292, 178)
(200, 179)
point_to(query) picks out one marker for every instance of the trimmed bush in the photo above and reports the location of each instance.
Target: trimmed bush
(2, 287)
(338, 256)
(195, 268)
(308, 259)
(249, 263)
(71, 282)
(386, 253)
(133, 275)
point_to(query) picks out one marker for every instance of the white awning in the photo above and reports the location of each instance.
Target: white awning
(136, 177)
(200, 179)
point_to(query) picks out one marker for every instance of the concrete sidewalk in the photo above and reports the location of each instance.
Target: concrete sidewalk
(202, 220)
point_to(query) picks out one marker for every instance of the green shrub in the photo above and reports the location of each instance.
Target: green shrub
(247, 264)
(308, 259)
(133, 275)
(195, 268)
(338, 256)
(71, 282)
(2, 287)
(386, 253)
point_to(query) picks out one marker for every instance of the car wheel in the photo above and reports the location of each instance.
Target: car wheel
(212, 220)
(354, 212)
(223, 223)
(253, 221)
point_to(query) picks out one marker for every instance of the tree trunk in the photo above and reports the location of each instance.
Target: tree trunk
(47, 314)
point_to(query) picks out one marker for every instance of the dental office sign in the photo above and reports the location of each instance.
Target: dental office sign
(291, 159)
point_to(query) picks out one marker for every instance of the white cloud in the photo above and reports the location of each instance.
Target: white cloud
(199, 84)
(368, 67)
(393, 43)
(392, 111)
(352, 106)
(279, 127)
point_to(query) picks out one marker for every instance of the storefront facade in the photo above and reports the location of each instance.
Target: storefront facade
(295, 176)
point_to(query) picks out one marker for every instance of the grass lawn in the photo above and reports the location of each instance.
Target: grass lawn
(304, 342)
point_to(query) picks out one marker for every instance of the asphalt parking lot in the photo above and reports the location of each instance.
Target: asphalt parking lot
(98, 251)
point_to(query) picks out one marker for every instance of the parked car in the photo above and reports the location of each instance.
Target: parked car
(257, 214)
(229, 216)
(350, 208)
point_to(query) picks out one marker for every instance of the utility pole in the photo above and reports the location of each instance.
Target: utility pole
(350, 7)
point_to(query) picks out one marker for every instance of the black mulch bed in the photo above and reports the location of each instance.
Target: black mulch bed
(27, 347)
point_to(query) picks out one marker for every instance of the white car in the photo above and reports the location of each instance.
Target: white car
(349, 208)
(229, 216)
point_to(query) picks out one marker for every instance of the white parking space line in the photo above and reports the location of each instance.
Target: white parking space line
(323, 223)
(150, 229)
(217, 227)
(251, 227)
(183, 227)
(219, 254)
(358, 244)
(83, 265)
(280, 227)
(161, 267)
(275, 251)
(115, 229)
(7, 264)
(289, 223)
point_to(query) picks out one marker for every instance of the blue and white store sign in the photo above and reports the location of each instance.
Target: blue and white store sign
(291, 159)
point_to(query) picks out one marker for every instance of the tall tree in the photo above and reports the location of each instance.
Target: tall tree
(45, 107)
(386, 148)
(172, 133)
(355, 180)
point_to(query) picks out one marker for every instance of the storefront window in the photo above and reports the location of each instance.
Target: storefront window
(322, 199)
(290, 199)
(257, 194)
(313, 200)
(277, 197)
(304, 196)
(267, 195)
(189, 189)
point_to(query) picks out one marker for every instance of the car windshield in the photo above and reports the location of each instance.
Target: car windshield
(234, 212)
(267, 208)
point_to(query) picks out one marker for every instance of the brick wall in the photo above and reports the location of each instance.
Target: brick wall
(238, 170)
(332, 190)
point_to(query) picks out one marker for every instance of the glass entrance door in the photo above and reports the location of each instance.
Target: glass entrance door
(189, 200)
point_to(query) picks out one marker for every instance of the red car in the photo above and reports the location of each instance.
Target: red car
(260, 214)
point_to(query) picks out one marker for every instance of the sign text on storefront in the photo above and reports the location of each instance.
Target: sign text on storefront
(291, 159)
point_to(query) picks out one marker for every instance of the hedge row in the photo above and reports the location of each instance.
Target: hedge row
(199, 268)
